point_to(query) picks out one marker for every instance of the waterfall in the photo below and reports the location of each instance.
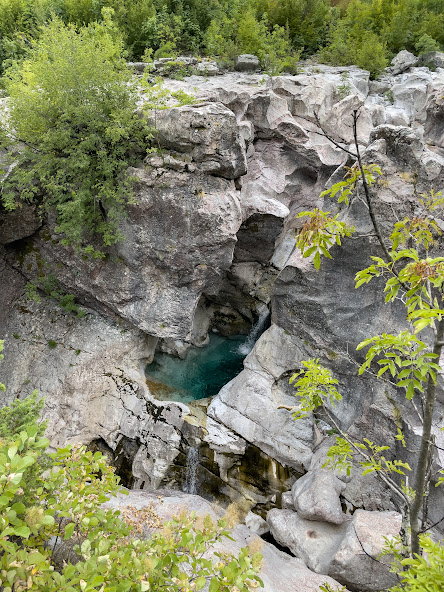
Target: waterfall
(190, 485)
(256, 331)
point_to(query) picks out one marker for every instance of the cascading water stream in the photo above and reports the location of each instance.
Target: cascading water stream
(190, 485)
(256, 331)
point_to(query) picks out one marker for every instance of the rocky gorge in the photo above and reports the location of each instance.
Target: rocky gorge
(209, 248)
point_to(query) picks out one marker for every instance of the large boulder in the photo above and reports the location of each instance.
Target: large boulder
(313, 542)
(207, 68)
(246, 63)
(403, 61)
(208, 133)
(358, 490)
(316, 496)
(410, 93)
(432, 59)
(350, 553)
(358, 563)
(434, 123)
(249, 404)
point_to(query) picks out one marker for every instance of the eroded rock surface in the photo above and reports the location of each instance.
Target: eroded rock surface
(209, 244)
(316, 496)
(313, 542)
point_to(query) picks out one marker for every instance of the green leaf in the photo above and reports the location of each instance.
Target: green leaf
(69, 531)
(18, 507)
(22, 531)
(410, 391)
(12, 452)
(200, 583)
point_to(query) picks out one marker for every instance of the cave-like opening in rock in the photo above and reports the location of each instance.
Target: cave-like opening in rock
(204, 370)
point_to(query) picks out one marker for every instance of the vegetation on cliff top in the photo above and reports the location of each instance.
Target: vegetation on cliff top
(72, 99)
(72, 111)
(366, 32)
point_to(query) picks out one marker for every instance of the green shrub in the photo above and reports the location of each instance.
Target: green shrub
(423, 574)
(20, 415)
(73, 106)
(371, 55)
(279, 56)
(364, 50)
(426, 44)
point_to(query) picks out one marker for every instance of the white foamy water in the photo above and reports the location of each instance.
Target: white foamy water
(190, 485)
(256, 331)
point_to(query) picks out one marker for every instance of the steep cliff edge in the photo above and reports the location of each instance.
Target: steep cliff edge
(209, 242)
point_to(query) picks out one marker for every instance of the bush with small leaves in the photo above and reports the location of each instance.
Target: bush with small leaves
(72, 108)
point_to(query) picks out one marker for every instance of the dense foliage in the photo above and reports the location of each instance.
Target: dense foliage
(366, 32)
(55, 535)
(72, 111)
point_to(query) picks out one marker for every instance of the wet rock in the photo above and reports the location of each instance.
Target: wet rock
(246, 63)
(316, 497)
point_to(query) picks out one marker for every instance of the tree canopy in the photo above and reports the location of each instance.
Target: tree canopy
(346, 32)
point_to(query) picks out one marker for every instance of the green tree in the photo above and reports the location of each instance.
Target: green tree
(73, 112)
(425, 44)
(413, 274)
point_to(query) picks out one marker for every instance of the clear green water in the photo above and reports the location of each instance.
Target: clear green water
(201, 374)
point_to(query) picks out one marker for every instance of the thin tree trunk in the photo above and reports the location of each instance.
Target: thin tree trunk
(424, 450)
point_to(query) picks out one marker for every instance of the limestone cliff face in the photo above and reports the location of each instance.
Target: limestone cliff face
(210, 242)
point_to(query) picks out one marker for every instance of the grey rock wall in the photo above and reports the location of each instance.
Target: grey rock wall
(209, 243)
